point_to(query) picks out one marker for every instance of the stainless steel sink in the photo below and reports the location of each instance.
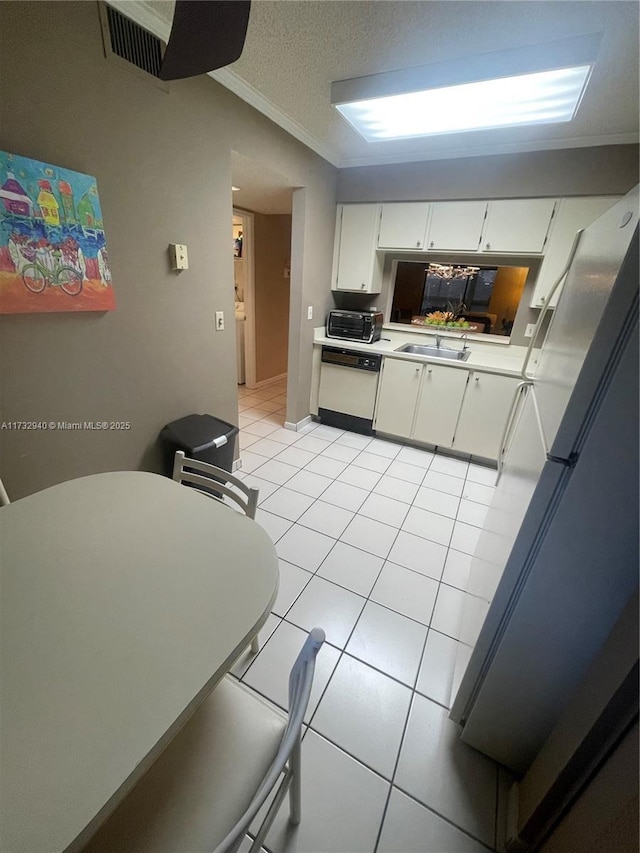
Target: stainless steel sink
(435, 352)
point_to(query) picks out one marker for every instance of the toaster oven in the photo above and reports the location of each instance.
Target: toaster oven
(362, 326)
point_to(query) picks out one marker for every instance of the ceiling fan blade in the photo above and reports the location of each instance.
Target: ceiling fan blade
(205, 35)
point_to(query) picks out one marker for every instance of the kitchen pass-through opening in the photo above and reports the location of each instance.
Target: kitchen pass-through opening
(482, 299)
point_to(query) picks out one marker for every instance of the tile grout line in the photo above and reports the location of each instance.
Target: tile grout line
(367, 598)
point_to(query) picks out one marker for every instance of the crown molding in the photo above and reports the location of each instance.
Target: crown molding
(148, 18)
(230, 80)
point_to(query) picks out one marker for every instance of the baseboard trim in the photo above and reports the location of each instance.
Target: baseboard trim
(296, 427)
(266, 382)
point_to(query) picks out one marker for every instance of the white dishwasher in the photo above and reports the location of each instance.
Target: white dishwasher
(348, 388)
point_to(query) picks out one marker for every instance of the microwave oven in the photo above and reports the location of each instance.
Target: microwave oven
(362, 326)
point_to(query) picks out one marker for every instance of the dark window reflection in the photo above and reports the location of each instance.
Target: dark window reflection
(486, 297)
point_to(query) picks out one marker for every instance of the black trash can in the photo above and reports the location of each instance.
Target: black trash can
(200, 437)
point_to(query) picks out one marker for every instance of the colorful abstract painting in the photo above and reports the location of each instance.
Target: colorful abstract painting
(53, 254)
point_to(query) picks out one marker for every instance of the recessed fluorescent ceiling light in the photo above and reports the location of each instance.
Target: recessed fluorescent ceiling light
(529, 86)
(544, 98)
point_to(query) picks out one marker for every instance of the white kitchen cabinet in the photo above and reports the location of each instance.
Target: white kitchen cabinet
(519, 225)
(403, 226)
(487, 399)
(356, 265)
(397, 396)
(439, 404)
(572, 215)
(456, 225)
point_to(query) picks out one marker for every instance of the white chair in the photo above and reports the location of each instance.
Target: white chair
(4, 497)
(208, 785)
(215, 483)
(206, 477)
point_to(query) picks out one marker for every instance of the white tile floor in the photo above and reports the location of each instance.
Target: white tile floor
(374, 540)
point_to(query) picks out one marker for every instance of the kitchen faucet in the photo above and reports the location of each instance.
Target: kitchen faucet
(438, 341)
(464, 338)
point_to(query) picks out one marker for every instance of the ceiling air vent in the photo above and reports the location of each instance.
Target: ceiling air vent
(128, 42)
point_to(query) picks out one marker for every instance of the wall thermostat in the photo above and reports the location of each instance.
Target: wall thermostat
(179, 257)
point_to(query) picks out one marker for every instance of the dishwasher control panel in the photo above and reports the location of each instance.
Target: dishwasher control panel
(350, 358)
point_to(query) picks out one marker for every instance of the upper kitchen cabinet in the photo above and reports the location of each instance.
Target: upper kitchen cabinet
(456, 225)
(403, 226)
(519, 226)
(572, 215)
(356, 265)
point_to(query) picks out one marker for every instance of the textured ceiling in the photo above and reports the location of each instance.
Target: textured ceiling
(261, 190)
(296, 48)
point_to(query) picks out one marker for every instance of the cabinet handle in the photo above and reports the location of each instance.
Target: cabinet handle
(417, 370)
(362, 286)
(487, 245)
(431, 245)
(477, 379)
(429, 370)
(418, 244)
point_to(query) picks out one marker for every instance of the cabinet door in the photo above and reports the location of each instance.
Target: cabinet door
(439, 404)
(572, 215)
(484, 413)
(518, 226)
(456, 225)
(357, 266)
(403, 226)
(397, 396)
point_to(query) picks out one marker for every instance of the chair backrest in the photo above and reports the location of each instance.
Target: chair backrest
(4, 497)
(300, 683)
(214, 482)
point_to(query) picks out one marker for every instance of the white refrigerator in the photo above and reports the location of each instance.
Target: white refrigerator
(558, 556)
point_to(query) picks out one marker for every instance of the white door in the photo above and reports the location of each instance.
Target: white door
(403, 226)
(517, 226)
(399, 388)
(486, 404)
(357, 248)
(439, 404)
(456, 225)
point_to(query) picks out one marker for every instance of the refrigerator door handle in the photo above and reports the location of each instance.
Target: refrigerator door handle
(508, 424)
(545, 307)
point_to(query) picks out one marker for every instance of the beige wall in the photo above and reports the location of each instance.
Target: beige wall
(163, 166)
(272, 253)
(607, 170)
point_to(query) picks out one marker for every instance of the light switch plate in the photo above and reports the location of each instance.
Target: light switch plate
(528, 332)
(310, 312)
(219, 321)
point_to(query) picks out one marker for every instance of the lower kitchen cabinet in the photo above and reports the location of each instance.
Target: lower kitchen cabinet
(484, 413)
(453, 407)
(437, 413)
(397, 396)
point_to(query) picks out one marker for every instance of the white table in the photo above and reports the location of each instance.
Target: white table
(124, 598)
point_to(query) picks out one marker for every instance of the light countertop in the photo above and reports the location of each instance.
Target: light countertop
(491, 357)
